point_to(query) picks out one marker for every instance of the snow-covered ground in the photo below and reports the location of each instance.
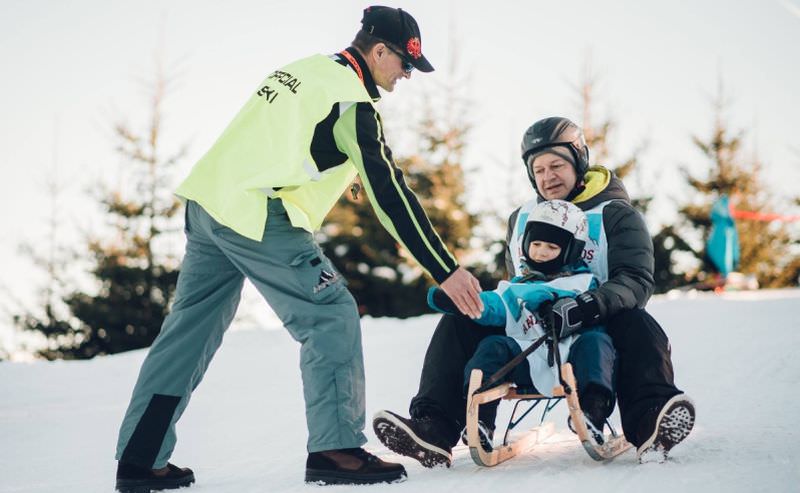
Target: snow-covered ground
(735, 354)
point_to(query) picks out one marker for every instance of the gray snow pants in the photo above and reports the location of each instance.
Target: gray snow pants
(311, 299)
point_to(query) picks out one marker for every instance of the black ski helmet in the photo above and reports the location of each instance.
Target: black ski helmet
(551, 132)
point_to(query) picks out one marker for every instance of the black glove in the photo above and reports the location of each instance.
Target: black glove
(570, 315)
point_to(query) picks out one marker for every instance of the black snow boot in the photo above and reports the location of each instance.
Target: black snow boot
(596, 403)
(419, 438)
(137, 479)
(663, 427)
(485, 434)
(351, 466)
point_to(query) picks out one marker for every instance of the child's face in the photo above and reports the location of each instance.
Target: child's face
(543, 251)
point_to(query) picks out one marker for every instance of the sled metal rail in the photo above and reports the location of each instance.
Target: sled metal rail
(534, 400)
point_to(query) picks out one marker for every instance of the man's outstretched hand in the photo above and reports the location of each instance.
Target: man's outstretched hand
(464, 290)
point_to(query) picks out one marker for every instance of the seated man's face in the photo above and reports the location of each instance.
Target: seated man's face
(543, 251)
(555, 177)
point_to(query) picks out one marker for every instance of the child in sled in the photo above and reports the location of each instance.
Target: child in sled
(554, 237)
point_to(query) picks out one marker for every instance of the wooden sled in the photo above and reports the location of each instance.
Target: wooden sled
(613, 446)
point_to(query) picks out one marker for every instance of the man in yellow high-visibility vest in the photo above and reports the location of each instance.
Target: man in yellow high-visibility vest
(252, 203)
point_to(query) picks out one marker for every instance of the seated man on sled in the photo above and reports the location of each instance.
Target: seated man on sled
(554, 236)
(656, 415)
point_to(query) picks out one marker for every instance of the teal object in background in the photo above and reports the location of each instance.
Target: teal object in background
(723, 242)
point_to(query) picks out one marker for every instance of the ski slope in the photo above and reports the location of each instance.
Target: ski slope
(244, 431)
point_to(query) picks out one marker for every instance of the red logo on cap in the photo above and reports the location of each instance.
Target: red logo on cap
(414, 48)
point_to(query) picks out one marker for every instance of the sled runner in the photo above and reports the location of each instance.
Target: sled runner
(614, 444)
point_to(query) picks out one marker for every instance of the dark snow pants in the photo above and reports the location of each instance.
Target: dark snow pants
(644, 376)
(292, 274)
(592, 357)
(441, 391)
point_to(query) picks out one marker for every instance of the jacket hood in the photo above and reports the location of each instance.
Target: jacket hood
(601, 185)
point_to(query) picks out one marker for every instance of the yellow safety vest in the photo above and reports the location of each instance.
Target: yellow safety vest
(268, 146)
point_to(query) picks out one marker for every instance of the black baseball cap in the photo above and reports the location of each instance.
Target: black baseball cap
(397, 27)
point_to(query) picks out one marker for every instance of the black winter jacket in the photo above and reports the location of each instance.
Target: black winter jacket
(630, 247)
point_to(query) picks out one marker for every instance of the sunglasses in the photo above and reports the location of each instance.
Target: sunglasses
(407, 66)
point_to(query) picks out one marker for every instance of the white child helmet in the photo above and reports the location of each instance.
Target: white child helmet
(559, 222)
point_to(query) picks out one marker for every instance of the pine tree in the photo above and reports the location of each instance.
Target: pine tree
(666, 273)
(598, 134)
(766, 247)
(135, 282)
(51, 256)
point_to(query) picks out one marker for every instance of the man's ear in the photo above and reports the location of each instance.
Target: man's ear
(379, 51)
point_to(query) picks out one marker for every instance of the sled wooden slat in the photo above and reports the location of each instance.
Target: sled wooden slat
(614, 446)
(503, 452)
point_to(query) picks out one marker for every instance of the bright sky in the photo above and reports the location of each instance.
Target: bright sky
(71, 68)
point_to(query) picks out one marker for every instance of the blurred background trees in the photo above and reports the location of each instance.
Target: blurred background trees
(133, 268)
(134, 276)
(768, 247)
